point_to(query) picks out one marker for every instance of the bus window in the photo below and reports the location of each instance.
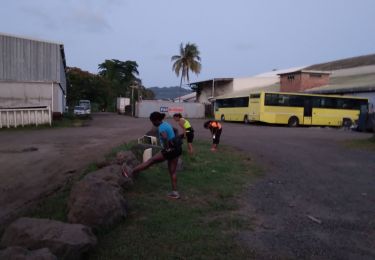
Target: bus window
(255, 96)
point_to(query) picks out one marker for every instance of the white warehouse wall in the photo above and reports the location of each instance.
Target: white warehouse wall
(31, 94)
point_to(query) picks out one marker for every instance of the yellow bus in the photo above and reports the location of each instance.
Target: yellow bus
(291, 109)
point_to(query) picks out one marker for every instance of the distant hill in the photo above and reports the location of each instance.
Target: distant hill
(169, 92)
(345, 63)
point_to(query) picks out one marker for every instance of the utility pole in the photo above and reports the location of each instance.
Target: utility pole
(133, 86)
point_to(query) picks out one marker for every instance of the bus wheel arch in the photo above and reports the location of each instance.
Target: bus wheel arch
(293, 121)
(347, 122)
(222, 118)
(246, 119)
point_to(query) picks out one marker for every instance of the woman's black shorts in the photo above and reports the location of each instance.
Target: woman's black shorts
(189, 135)
(217, 135)
(171, 153)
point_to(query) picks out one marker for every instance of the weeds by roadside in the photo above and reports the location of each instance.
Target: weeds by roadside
(202, 224)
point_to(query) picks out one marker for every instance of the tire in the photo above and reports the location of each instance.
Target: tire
(293, 121)
(222, 118)
(246, 120)
(347, 122)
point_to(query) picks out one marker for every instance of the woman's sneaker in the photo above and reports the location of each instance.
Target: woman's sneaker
(174, 195)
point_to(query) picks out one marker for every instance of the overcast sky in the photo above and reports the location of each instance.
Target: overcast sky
(237, 38)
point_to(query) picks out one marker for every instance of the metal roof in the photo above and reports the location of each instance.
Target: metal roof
(210, 80)
(30, 38)
(348, 84)
(306, 71)
(39, 40)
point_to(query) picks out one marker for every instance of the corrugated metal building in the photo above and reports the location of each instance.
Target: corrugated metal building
(32, 73)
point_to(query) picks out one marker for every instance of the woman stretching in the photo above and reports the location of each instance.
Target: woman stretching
(171, 151)
(188, 131)
(216, 129)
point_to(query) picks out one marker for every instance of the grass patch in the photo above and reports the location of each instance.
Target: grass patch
(365, 144)
(201, 224)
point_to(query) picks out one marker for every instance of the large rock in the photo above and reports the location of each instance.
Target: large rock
(112, 175)
(66, 241)
(126, 157)
(20, 253)
(96, 203)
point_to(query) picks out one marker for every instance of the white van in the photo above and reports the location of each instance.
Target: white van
(86, 104)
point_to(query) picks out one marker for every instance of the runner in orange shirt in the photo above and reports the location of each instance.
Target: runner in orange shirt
(216, 129)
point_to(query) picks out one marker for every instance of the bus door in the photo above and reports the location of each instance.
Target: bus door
(307, 111)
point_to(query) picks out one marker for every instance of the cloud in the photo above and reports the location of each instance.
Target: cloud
(91, 16)
(42, 16)
(89, 20)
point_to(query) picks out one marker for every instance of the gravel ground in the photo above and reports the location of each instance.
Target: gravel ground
(317, 197)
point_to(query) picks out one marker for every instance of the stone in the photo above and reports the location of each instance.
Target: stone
(112, 175)
(96, 203)
(20, 253)
(128, 157)
(66, 241)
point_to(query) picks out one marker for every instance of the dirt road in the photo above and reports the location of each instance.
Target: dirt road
(34, 163)
(316, 198)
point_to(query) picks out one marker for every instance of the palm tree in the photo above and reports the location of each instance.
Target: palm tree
(188, 60)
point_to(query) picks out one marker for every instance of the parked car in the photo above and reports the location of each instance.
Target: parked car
(86, 104)
(80, 111)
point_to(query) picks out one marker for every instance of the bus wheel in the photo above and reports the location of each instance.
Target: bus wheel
(347, 122)
(246, 120)
(293, 121)
(222, 118)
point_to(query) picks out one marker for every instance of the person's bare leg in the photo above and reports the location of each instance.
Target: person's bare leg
(143, 166)
(190, 148)
(172, 166)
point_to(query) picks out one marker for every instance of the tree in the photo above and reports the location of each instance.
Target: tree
(121, 73)
(85, 85)
(188, 60)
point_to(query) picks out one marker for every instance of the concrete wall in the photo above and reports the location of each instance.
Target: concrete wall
(208, 91)
(31, 94)
(29, 116)
(188, 110)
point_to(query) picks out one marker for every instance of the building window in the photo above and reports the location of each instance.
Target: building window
(290, 77)
(315, 75)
